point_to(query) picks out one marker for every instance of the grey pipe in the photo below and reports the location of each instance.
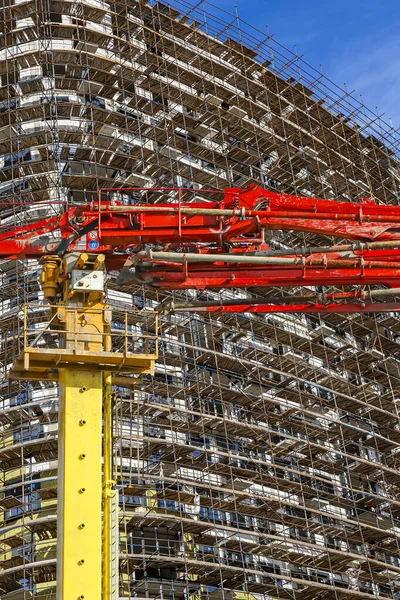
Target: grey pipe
(182, 257)
(226, 258)
(198, 305)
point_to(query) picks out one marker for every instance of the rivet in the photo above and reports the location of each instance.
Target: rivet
(81, 597)
(82, 490)
(83, 389)
(82, 422)
(82, 456)
(81, 526)
(81, 562)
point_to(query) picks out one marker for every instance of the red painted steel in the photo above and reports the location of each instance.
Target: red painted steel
(305, 308)
(234, 225)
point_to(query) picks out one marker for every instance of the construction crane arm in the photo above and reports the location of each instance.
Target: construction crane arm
(222, 244)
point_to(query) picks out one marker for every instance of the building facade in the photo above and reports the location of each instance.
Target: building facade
(261, 460)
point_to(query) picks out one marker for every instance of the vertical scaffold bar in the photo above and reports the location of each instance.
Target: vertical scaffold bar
(110, 503)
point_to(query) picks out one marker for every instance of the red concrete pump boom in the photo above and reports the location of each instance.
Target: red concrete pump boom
(221, 243)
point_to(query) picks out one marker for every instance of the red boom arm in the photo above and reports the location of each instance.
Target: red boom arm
(221, 244)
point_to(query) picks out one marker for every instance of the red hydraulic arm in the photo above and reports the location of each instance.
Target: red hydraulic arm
(221, 243)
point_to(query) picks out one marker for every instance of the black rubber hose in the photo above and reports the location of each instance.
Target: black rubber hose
(63, 246)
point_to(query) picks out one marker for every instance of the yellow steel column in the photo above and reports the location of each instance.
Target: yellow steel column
(83, 359)
(79, 485)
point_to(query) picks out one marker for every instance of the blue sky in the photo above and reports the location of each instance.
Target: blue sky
(356, 41)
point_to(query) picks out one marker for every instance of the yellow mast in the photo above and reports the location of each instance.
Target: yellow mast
(83, 361)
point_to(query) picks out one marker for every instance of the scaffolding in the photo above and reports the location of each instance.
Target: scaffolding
(262, 458)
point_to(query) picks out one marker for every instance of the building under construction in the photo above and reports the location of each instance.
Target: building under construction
(261, 460)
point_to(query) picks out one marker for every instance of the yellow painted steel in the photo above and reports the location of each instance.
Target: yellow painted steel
(83, 335)
(79, 557)
(110, 504)
(80, 486)
(83, 361)
(107, 487)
